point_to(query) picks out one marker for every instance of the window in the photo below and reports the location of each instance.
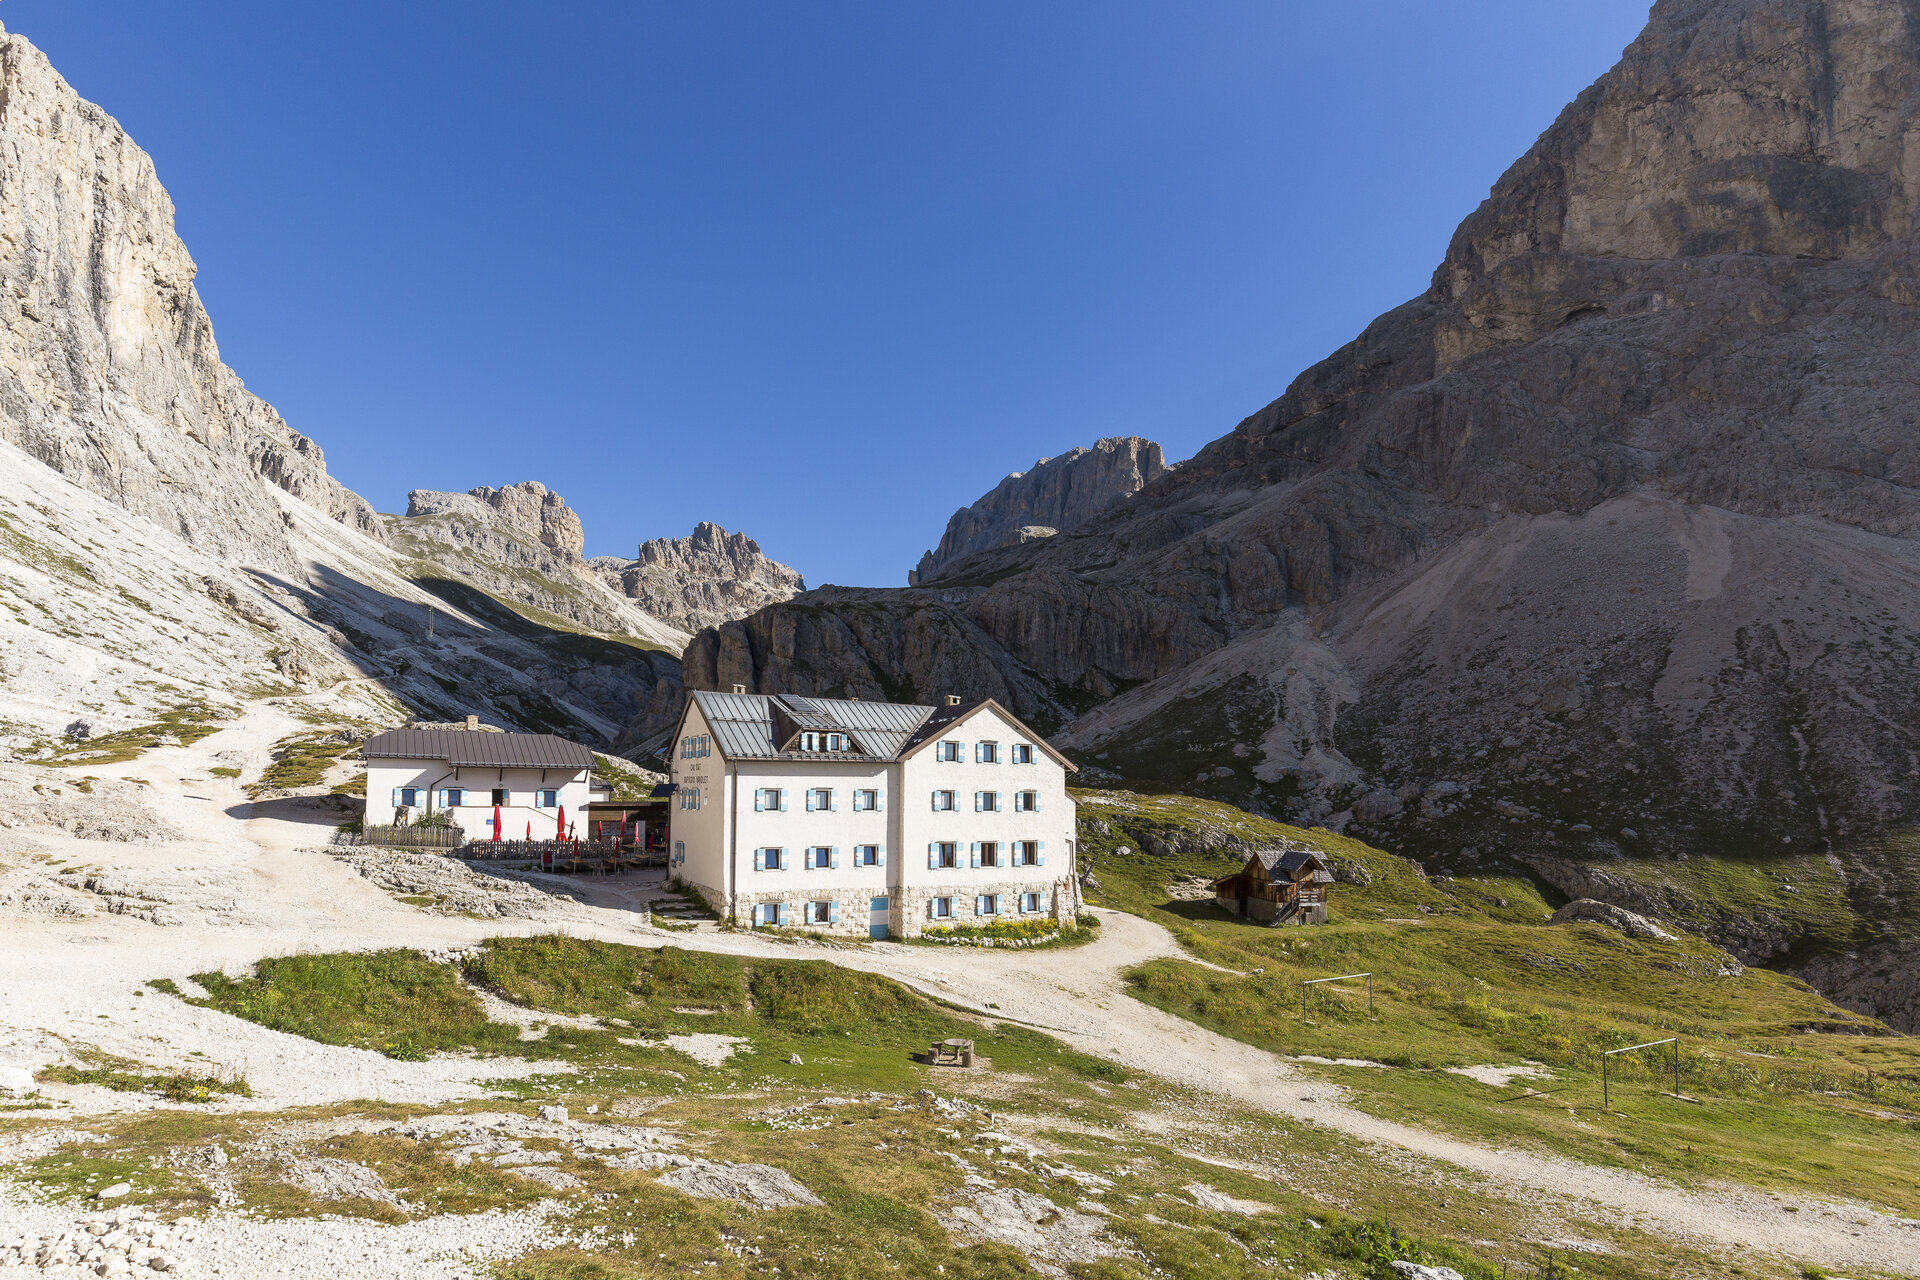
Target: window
(986, 802)
(408, 796)
(867, 801)
(770, 800)
(455, 797)
(769, 859)
(824, 742)
(548, 799)
(500, 796)
(770, 914)
(821, 858)
(706, 745)
(1029, 853)
(1023, 753)
(823, 913)
(822, 800)
(689, 797)
(1030, 903)
(986, 753)
(947, 751)
(940, 908)
(695, 745)
(1026, 802)
(986, 853)
(987, 904)
(944, 853)
(868, 855)
(943, 801)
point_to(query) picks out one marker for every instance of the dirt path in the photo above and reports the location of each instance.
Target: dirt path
(294, 898)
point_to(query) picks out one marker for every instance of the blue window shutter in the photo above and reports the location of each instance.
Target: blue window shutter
(933, 857)
(1040, 853)
(879, 855)
(879, 801)
(759, 859)
(833, 800)
(980, 905)
(1036, 801)
(833, 913)
(759, 800)
(809, 799)
(974, 852)
(833, 858)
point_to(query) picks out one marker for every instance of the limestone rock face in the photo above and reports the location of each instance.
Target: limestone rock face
(1613, 529)
(171, 550)
(703, 580)
(1056, 496)
(521, 543)
(108, 369)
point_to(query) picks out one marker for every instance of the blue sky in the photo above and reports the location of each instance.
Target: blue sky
(820, 272)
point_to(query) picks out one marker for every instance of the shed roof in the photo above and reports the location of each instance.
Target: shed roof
(1290, 862)
(464, 748)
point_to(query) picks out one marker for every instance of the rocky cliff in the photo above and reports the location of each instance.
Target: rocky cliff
(170, 548)
(1055, 495)
(108, 369)
(1603, 548)
(703, 580)
(521, 544)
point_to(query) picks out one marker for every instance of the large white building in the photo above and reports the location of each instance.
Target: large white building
(869, 817)
(465, 773)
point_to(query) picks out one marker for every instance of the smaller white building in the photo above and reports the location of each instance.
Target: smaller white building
(465, 773)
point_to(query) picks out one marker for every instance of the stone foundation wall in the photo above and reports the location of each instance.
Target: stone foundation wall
(907, 907)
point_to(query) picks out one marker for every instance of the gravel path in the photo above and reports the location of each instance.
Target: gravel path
(85, 974)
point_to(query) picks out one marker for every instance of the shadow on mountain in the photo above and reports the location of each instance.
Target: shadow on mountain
(479, 657)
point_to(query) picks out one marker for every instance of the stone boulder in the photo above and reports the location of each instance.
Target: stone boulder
(1631, 923)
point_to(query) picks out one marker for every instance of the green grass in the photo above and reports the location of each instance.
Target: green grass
(879, 1154)
(189, 723)
(174, 1088)
(224, 771)
(1469, 973)
(627, 782)
(302, 761)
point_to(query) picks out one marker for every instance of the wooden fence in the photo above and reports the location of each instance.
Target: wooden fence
(566, 855)
(408, 837)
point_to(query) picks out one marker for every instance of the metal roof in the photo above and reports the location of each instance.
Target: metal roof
(742, 724)
(463, 748)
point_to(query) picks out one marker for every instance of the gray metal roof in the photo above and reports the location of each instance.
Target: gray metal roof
(742, 724)
(464, 748)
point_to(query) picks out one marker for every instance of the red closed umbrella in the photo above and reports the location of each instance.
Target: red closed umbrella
(560, 826)
(496, 824)
(529, 828)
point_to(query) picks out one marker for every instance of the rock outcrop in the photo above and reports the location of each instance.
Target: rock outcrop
(703, 580)
(169, 547)
(108, 369)
(1057, 495)
(521, 544)
(1631, 923)
(1612, 528)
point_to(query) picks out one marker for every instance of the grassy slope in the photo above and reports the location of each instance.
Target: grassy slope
(878, 1159)
(1468, 972)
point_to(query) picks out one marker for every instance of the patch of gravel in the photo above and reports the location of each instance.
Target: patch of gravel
(703, 1047)
(109, 809)
(459, 888)
(1501, 1077)
(1220, 1202)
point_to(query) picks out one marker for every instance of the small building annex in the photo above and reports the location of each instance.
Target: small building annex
(1278, 886)
(465, 773)
(874, 818)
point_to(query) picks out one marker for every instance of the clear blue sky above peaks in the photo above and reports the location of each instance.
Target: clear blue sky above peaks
(821, 272)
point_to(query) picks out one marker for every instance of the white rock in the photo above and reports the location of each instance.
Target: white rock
(555, 1113)
(115, 1191)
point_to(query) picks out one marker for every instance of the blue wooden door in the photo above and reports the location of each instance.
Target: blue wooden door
(877, 918)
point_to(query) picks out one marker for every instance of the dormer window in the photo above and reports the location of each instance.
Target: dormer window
(818, 742)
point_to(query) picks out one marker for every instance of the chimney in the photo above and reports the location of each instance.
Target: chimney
(473, 722)
(739, 688)
(953, 699)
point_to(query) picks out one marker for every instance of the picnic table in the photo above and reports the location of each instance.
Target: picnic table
(951, 1053)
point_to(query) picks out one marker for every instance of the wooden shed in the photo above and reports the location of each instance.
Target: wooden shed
(1278, 886)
